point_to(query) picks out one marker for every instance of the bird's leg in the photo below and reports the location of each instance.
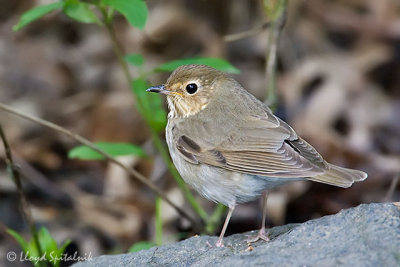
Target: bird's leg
(221, 236)
(261, 234)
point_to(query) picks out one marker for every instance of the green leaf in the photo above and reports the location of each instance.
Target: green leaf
(56, 260)
(21, 241)
(64, 246)
(134, 59)
(114, 149)
(149, 105)
(79, 11)
(36, 13)
(47, 242)
(32, 250)
(141, 246)
(217, 63)
(135, 11)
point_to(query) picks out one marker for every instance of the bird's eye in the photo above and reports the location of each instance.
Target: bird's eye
(191, 88)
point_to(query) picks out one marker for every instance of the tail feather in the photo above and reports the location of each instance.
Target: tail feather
(339, 176)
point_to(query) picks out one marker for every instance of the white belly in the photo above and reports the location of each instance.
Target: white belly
(221, 185)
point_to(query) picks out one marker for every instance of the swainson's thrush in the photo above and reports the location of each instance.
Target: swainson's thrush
(229, 146)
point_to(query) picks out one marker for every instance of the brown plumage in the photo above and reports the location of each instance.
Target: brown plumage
(230, 147)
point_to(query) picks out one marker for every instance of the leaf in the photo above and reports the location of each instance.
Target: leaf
(56, 260)
(134, 59)
(79, 11)
(149, 105)
(114, 149)
(141, 246)
(36, 13)
(217, 63)
(21, 241)
(47, 242)
(135, 11)
(64, 246)
(33, 252)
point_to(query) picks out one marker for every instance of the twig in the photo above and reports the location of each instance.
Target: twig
(116, 46)
(270, 66)
(15, 175)
(392, 187)
(181, 184)
(275, 28)
(246, 34)
(215, 217)
(158, 222)
(86, 142)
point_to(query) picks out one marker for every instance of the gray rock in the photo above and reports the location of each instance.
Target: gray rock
(368, 235)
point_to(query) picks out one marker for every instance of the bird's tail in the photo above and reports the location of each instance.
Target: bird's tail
(339, 176)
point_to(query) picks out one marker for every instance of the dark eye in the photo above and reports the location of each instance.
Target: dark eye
(191, 88)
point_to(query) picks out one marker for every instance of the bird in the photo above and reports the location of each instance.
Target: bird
(229, 146)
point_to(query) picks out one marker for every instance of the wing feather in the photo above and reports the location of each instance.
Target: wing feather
(285, 162)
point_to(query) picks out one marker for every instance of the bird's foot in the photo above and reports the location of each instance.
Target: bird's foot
(217, 245)
(261, 235)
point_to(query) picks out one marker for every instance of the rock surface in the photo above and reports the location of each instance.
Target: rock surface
(367, 235)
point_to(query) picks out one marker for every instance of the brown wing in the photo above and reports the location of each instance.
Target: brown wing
(266, 147)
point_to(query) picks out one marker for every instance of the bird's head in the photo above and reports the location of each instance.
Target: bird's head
(190, 88)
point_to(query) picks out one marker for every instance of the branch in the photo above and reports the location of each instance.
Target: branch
(84, 141)
(246, 34)
(15, 175)
(271, 55)
(392, 188)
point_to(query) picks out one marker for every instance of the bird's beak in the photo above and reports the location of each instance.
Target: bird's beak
(162, 90)
(158, 89)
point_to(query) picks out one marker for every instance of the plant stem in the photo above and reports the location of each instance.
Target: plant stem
(270, 65)
(181, 184)
(86, 142)
(159, 222)
(276, 12)
(215, 218)
(156, 139)
(25, 210)
(117, 47)
(246, 34)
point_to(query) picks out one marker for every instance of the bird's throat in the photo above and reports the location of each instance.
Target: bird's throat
(180, 107)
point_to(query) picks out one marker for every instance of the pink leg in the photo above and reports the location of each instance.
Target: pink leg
(221, 236)
(261, 234)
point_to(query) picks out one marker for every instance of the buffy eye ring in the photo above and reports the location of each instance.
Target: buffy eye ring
(191, 88)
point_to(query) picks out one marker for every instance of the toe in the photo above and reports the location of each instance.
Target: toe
(219, 245)
(261, 235)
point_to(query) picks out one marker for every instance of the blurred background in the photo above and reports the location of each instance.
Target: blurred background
(338, 85)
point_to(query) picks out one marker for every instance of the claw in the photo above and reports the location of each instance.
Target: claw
(261, 235)
(219, 245)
